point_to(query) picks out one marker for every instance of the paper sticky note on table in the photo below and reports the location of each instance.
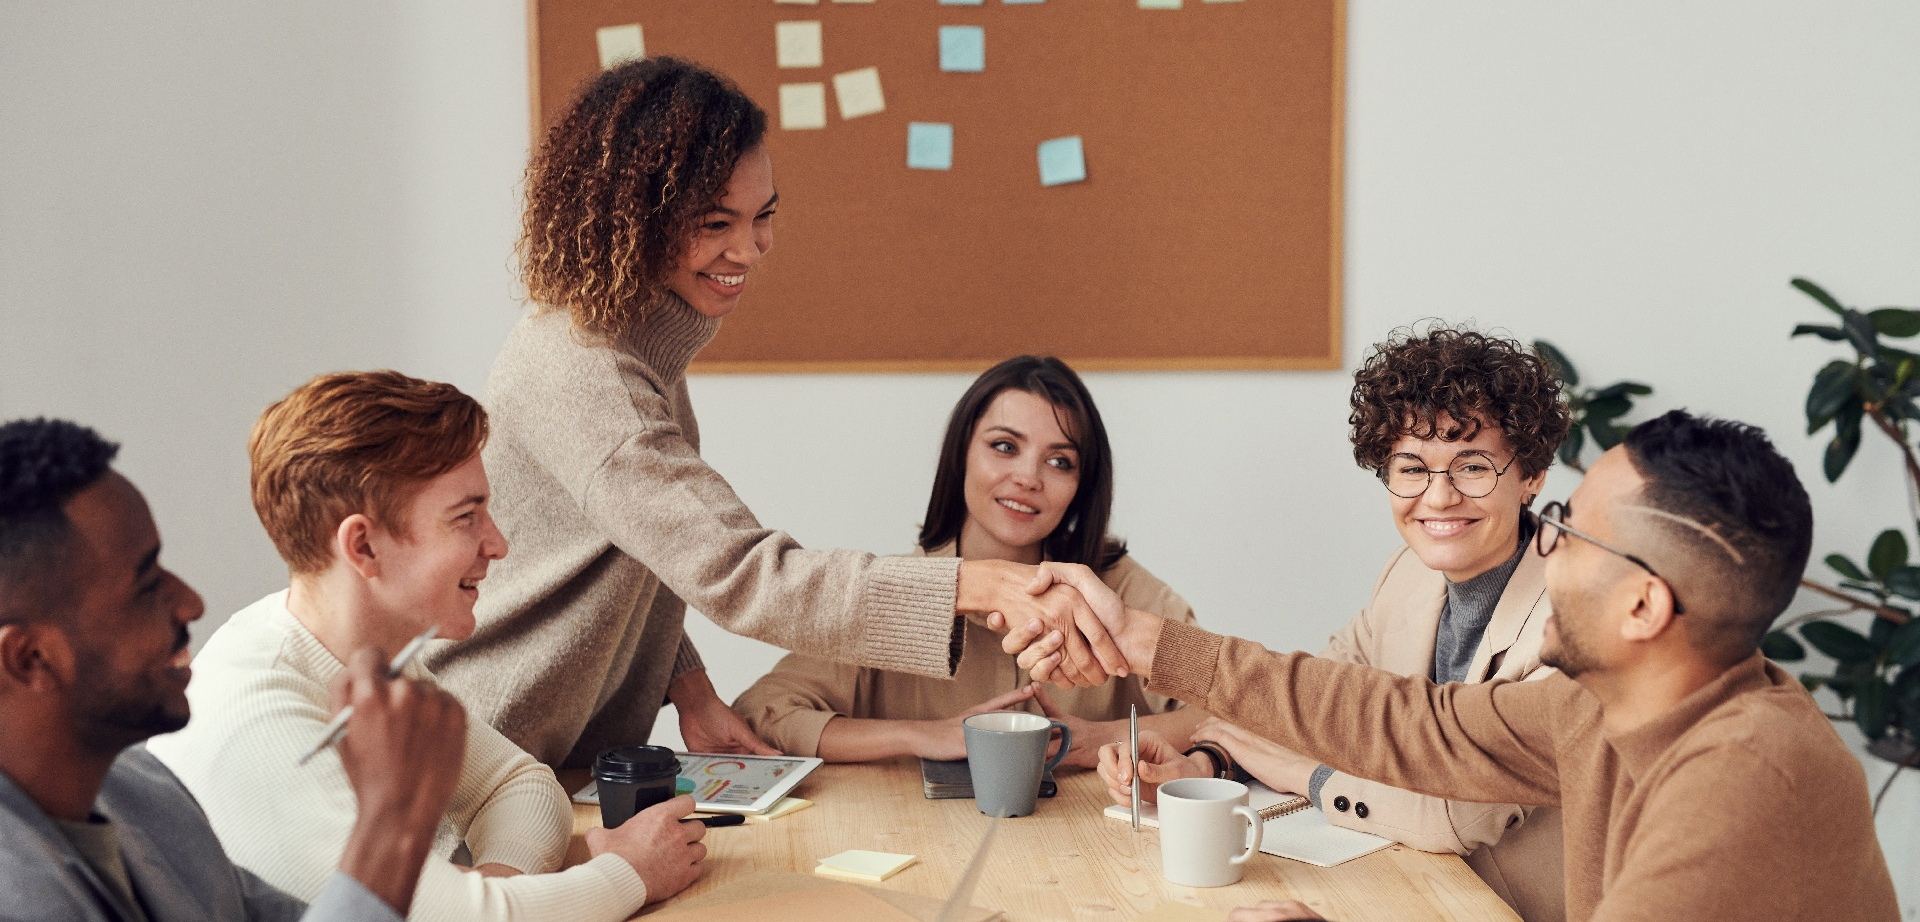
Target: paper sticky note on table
(859, 864)
(620, 44)
(963, 49)
(800, 2)
(1159, 4)
(797, 43)
(859, 92)
(929, 145)
(803, 105)
(787, 805)
(1062, 161)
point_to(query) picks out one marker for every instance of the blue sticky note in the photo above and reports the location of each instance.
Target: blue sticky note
(963, 49)
(929, 146)
(961, 2)
(1062, 161)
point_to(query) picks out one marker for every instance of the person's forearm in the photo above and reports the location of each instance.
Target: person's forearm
(851, 739)
(386, 857)
(1139, 640)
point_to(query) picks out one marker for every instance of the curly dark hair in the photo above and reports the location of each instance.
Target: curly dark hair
(615, 192)
(43, 463)
(1417, 376)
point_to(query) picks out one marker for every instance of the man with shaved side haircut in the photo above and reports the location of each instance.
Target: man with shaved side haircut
(93, 660)
(1697, 780)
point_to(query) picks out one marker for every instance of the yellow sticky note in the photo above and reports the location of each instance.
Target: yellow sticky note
(620, 44)
(858, 864)
(803, 105)
(797, 44)
(859, 92)
(785, 806)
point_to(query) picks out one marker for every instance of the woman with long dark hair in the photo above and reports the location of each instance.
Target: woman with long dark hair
(1025, 475)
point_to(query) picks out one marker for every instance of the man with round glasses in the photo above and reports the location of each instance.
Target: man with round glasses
(1698, 780)
(1460, 428)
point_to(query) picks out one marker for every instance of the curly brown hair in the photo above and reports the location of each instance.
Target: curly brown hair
(1415, 377)
(615, 192)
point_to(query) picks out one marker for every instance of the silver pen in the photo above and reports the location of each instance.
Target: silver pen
(337, 727)
(1133, 740)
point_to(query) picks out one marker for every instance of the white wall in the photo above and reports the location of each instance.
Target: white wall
(202, 210)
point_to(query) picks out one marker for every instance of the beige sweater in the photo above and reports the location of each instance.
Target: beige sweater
(1513, 847)
(790, 706)
(1739, 803)
(260, 699)
(615, 525)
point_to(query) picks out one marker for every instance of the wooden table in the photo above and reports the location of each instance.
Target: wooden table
(1066, 861)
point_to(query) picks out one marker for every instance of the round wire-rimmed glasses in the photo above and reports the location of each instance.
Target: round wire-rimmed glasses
(1553, 521)
(1472, 474)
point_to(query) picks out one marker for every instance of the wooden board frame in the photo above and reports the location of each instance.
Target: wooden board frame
(1329, 358)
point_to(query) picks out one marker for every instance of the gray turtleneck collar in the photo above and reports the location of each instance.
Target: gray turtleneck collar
(1469, 608)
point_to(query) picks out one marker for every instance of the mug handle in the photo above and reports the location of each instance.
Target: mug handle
(1254, 829)
(1066, 741)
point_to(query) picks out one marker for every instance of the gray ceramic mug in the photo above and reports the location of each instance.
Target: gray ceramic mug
(1007, 756)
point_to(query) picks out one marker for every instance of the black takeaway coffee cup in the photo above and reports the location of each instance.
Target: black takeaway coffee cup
(633, 778)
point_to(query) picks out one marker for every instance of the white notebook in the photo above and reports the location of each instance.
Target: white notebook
(1293, 829)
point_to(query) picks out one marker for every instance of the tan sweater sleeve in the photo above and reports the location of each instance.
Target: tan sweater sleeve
(790, 706)
(600, 430)
(1496, 739)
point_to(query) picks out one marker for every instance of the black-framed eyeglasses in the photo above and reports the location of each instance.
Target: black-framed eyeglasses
(1472, 475)
(1553, 521)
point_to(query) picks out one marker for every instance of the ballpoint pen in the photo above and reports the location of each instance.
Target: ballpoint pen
(1133, 741)
(337, 727)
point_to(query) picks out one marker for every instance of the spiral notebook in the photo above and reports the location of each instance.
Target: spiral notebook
(1293, 829)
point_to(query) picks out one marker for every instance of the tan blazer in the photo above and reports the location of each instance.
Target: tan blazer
(1515, 849)
(791, 705)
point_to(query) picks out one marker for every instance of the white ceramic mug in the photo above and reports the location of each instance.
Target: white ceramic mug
(1207, 831)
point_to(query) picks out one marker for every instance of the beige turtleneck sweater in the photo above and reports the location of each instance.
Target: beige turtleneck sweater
(615, 525)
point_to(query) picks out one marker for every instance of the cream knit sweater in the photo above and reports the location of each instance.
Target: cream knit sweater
(612, 519)
(260, 699)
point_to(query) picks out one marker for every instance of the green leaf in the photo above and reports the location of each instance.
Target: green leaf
(1818, 294)
(1832, 387)
(1860, 333)
(1557, 361)
(1842, 643)
(1605, 434)
(1845, 567)
(1570, 448)
(1812, 682)
(1889, 553)
(1608, 407)
(1831, 334)
(1781, 646)
(1904, 582)
(1870, 706)
(1895, 321)
(1904, 648)
(1846, 441)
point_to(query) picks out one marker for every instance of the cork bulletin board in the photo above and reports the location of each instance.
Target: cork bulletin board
(1205, 235)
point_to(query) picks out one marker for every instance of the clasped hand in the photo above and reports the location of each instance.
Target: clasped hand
(1058, 618)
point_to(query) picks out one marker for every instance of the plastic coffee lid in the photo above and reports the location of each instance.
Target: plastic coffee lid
(634, 762)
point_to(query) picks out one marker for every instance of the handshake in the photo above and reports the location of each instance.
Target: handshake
(1065, 625)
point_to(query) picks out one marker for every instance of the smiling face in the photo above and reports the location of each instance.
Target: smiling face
(128, 626)
(431, 574)
(1459, 535)
(730, 239)
(1590, 587)
(1022, 474)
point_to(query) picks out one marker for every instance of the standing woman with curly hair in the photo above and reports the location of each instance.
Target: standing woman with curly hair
(648, 207)
(1460, 428)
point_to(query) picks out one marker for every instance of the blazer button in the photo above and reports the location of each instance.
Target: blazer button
(1340, 804)
(1360, 810)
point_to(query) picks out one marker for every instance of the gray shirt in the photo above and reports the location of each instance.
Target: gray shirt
(1470, 604)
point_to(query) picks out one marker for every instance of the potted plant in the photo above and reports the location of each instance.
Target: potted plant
(1876, 674)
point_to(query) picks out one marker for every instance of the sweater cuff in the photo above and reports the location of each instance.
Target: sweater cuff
(909, 623)
(1184, 662)
(798, 733)
(686, 659)
(622, 880)
(1318, 781)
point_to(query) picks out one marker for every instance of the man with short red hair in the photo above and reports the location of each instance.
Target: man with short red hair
(372, 489)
